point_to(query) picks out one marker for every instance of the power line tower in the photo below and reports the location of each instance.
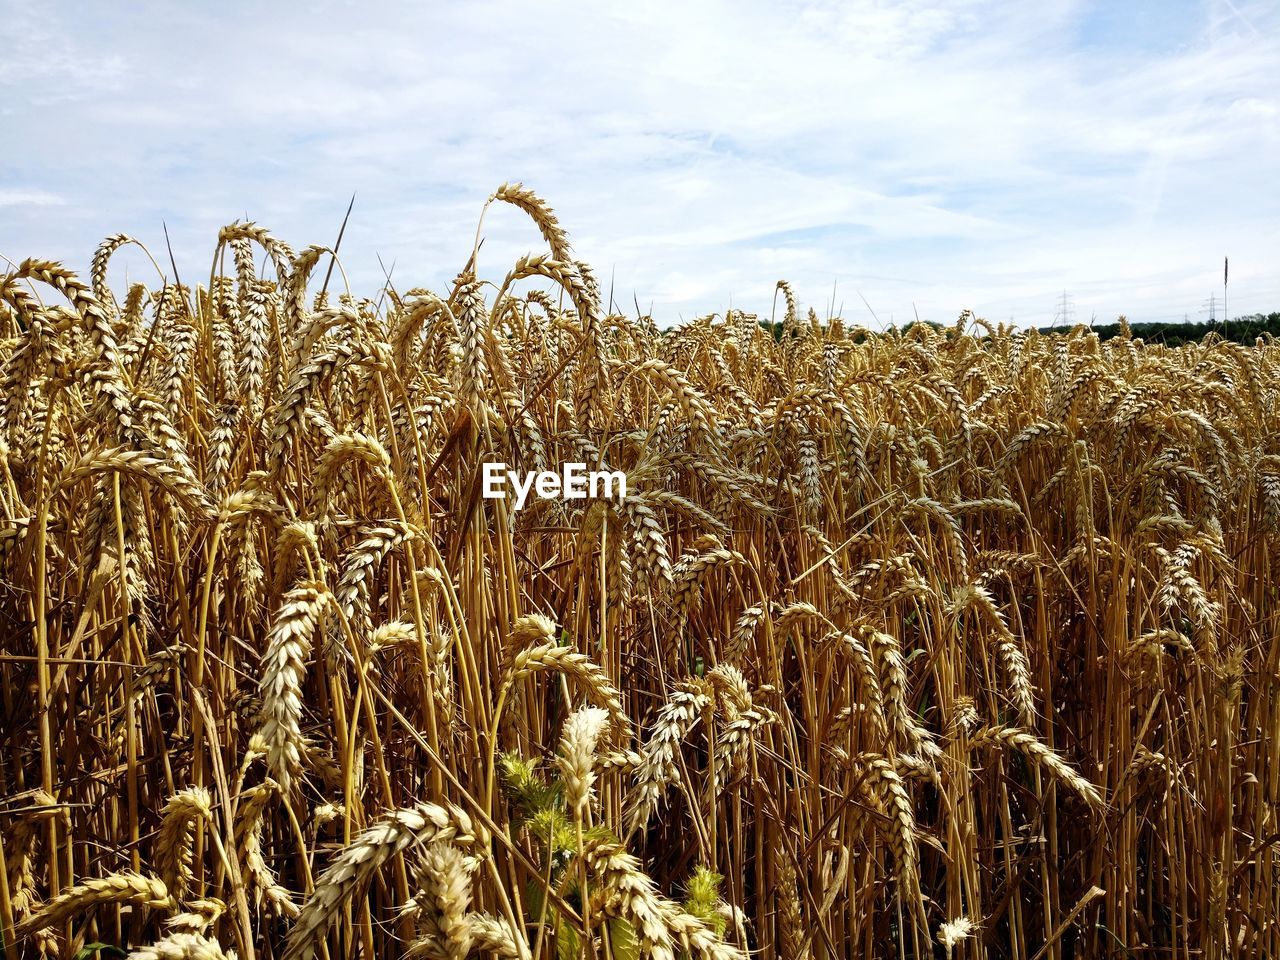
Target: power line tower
(1211, 305)
(1065, 311)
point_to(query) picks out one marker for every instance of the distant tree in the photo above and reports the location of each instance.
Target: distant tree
(1244, 329)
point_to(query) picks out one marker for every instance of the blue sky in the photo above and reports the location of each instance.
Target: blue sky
(921, 157)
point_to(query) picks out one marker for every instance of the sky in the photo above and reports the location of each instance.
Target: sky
(889, 159)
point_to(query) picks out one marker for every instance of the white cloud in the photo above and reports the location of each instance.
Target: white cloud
(29, 198)
(986, 155)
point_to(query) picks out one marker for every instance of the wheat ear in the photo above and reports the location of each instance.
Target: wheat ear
(443, 903)
(183, 946)
(558, 659)
(122, 888)
(173, 855)
(397, 832)
(633, 892)
(1036, 751)
(283, 669)
(658, 765)
(900, 832)
(577, 757)
(248, 840)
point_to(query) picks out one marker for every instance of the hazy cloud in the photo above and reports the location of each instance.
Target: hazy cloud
(29, 198)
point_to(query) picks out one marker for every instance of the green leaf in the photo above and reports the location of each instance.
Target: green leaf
(568, 945)
(623, 942)
(533, 898)
(103, 949)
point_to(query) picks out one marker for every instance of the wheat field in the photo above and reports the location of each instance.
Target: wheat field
(949, 642)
